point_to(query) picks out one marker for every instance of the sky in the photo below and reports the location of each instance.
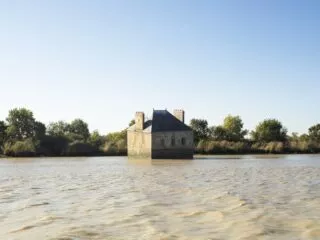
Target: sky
(104, 60)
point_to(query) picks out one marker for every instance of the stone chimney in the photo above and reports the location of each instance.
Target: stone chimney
(139, 120)
(179, 114)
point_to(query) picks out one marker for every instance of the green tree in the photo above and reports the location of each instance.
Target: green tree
(200, 129)
(21, 124)
(269, 130)
(234, 128)
(314, 133)
(218, 133)
(304, 137)
(294, 137)
(116, 143)
(39, 130)
(96, 139)
(3, 134)
(116, 136)
(79, 130)
(58, 129)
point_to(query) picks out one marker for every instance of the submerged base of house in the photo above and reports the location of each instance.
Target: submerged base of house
(164, 154)
(172, 154)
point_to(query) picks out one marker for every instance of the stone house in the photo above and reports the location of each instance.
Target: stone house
(166, 136)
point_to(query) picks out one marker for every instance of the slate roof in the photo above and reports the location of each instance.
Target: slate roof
(147, 126)
(163, 121)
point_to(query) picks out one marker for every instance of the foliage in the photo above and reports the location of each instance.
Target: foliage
(22, 135)
(58, 129)
(110, 149)
(39, 129)
(231, 130)
(81, 149)
(294, 137)
(53, 146)
(304, 138)
(233, 126)
(298, 146)
(314, 133)
(78, 130)
(116, 136)
(218, 133)
(249, 147)
(115, 148)
(25, 148)
(96, 139)
(270, 130)
(222, 147)
(21, 124)
(3, 135)
(116, 143)
(200, 129)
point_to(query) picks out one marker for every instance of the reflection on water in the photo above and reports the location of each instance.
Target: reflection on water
(211, 197)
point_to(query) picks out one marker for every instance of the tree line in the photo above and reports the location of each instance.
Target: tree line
(269, 136)
(22, 135)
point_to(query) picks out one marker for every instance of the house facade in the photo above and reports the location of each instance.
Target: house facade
(165, 136)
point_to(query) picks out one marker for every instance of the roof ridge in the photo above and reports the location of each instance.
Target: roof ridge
(163, 120)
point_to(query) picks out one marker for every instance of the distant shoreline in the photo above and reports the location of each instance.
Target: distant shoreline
(21, 135)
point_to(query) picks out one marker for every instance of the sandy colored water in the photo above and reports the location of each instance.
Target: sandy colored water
(220, 197)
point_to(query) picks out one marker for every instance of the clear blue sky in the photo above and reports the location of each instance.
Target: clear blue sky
(104, 60)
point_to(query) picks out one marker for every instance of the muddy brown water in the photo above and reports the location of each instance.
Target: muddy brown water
(212, 197)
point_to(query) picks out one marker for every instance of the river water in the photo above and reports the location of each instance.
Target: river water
(213, 197)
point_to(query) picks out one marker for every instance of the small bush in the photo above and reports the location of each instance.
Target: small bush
(115, 148)
(24, 148)
(201, 147)
(274, 147)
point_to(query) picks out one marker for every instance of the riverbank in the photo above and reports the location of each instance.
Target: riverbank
(251, 147)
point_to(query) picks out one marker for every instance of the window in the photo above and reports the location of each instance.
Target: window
(162, 142)
(183, 141)
(173, 142)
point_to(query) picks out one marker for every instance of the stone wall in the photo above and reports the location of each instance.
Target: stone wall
(139, 144)
(177, 144)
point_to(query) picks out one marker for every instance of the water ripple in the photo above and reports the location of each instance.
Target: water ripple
(113, 198)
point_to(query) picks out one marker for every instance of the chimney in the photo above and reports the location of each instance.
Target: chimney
(139, 120)
(179, 114)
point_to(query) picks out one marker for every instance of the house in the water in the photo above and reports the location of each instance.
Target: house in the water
(166, 136)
